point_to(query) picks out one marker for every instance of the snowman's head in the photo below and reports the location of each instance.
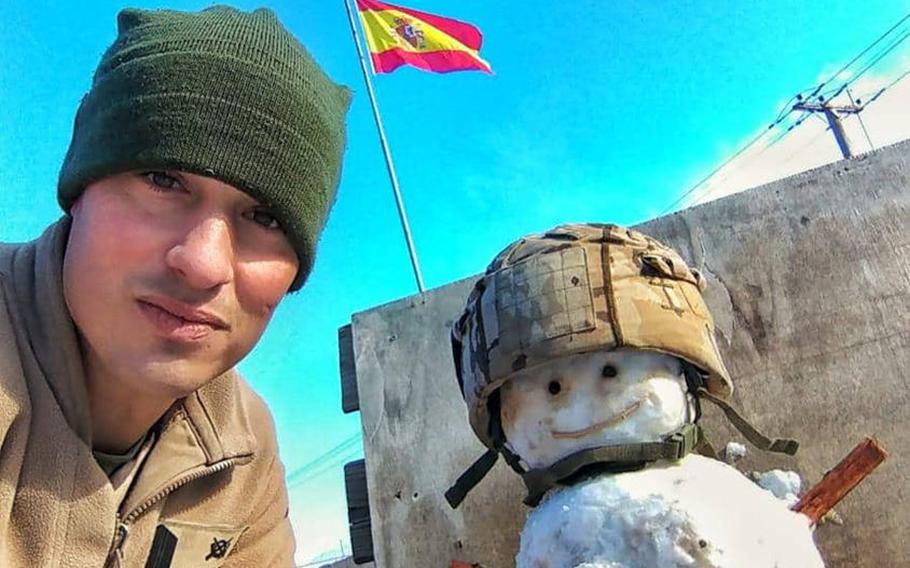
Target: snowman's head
(594, 399)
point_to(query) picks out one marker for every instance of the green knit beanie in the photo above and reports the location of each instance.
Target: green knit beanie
(221, 93)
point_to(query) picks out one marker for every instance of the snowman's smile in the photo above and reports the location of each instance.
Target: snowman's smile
(611, 421)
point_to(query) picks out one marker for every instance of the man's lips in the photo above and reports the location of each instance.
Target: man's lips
(178, 320)
(611, 421)
(185, 311)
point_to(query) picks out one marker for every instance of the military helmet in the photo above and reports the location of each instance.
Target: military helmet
(575, 289)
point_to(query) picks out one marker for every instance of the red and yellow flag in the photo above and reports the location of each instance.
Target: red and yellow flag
(399, 36)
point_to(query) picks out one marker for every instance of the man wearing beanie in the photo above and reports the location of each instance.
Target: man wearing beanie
(204, 160)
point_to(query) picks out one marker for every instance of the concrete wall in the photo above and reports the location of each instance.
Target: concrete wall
(808, 283)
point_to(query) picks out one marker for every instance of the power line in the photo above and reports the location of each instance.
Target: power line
(715, 170)
(343, 448)
(780, 118)
(833, 113)
(885, 88)
(802, 105)
(802, 118)
(340, 449)
(824, 101)
(785, 109)
(861, 123)
(879, 56)
(834, 92)
(711, 188)
(324, 468)
(805, 146)
(891, 84)
(863, 52)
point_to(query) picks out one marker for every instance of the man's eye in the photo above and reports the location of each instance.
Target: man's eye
(263, 217)
(161, 181)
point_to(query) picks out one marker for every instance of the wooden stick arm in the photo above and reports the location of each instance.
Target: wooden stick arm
(840, 480)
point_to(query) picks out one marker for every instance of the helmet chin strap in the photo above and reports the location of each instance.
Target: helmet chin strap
(614, 458)
(618, 458)
(579, 466)
(471, 477)
(696, 385)
(778, 445)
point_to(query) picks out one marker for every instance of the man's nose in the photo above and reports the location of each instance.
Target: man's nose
(204, 258)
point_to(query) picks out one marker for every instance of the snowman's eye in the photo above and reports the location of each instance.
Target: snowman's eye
(609, 371)
(554, 387)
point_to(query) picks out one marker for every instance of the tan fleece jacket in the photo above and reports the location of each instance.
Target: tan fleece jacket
(210, 491)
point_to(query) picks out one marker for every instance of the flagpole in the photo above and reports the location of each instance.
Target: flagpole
(402, 215)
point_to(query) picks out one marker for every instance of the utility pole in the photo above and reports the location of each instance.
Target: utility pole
(832, 114)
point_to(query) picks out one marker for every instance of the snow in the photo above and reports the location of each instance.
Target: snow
(645, 401)
(734, 452)
(782, 484)
(696, 512)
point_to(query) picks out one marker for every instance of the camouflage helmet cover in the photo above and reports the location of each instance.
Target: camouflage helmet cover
(575, 289)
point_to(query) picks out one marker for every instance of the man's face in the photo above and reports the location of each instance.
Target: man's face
(171, 278)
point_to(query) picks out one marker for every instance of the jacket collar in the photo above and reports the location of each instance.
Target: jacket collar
(216, 413)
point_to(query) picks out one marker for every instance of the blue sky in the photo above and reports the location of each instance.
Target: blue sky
(597, 111)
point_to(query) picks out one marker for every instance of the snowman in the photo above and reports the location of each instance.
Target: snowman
(583, 355)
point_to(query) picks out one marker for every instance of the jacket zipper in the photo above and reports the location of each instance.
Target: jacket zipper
(123, 524)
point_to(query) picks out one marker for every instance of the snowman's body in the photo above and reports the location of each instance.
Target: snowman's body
(692, 512)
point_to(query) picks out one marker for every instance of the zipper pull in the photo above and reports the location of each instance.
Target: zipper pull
(115, 556)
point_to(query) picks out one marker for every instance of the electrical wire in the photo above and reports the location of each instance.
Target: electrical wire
(324, 468)
(863, 52)
(703, 194)
(345, 448)
(708, 190)
(785, 111)
(787, 108)
(802, 118)
(861, 123)
(307, 471)
(881, 54)
(806, 146)
(885, 88)
(335, 466)
(834, 92)
(703, 180)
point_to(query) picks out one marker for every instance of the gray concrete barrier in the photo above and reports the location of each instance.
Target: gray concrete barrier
(809, 284)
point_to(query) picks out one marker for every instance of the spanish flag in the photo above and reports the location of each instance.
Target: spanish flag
(397, 36)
